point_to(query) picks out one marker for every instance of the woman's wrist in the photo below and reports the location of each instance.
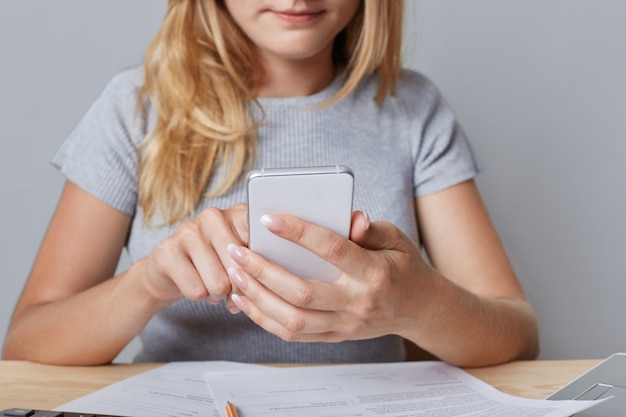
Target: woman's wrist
(147, 297)
(465, 329)
(425, 301)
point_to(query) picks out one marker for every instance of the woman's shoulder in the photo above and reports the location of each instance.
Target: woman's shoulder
(115, 113)
(128, 78)
(119, 100)
(413, 86)
(125, 84)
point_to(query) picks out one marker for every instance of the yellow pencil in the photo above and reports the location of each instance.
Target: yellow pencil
(231, 411)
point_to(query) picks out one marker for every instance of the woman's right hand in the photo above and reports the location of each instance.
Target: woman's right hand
(74, 276)
(192, 262)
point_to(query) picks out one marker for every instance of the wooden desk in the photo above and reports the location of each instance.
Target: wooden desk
(31, 385)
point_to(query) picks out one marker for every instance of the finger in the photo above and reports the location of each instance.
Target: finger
(222, 227)
(338, 311)
(274, 314)
(358, 225)
(239, 222)
(270, 325)
(171, 261)
(210, 269)
(202, 258)
(238, 215)
(336, 249)
(294, 324)
(378, 236)
(306, 294)
(218, 228)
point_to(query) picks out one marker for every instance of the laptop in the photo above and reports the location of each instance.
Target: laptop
(607, 379)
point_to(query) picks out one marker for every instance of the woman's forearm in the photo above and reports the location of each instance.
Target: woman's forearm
(87, 328)
(468, 330)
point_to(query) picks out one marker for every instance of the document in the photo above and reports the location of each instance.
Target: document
(407, 389)
(177, 389)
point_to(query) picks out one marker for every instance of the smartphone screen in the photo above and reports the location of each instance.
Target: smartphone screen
(319, 195)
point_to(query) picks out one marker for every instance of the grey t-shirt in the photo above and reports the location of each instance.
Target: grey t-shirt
(408, 146)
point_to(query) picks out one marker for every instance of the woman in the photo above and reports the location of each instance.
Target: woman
(157, 165)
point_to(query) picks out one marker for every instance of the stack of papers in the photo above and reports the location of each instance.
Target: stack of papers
(177, 389)
(387, 389)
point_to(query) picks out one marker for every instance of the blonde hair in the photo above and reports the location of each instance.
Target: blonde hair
(200, 77)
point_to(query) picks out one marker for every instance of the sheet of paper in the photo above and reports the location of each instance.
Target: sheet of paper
(428, 389)
(177, 389)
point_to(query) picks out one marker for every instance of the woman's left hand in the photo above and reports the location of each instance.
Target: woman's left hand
(384, 281)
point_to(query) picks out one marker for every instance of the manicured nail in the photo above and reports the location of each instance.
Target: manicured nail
(237, 254)
(274, 224)
(214, 301)
(233, 309)
(239, 302)
(368, 222)
(238, 278)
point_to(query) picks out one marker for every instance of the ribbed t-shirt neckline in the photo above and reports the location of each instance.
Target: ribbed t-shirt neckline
(310, 100)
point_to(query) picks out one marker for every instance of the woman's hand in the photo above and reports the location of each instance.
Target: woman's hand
(74, 275)
(382, 272)
(464, 306)
(192, 262)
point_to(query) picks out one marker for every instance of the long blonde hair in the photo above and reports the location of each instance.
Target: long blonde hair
(201, 73)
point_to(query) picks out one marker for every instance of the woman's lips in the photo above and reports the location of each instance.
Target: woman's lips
(296, 16)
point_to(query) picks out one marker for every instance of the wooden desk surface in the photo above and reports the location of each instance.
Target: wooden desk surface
(36, 386)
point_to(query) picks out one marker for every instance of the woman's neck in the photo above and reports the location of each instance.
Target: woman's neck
(296, 78)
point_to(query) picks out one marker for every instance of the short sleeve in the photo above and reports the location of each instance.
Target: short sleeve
(444, 156)
(100, 155)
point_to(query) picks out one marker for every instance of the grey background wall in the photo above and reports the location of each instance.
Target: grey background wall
(539, 86)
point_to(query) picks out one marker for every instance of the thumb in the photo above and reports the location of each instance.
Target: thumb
(368, 235)
(359, 226)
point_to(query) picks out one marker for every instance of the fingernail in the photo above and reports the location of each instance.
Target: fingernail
(367, 220)
(274, 224)
(234, 309)
(239, 302)
(237, 254)
(214, 301)
(238, 278)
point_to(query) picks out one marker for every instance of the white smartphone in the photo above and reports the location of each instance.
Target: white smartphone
(320, 195)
